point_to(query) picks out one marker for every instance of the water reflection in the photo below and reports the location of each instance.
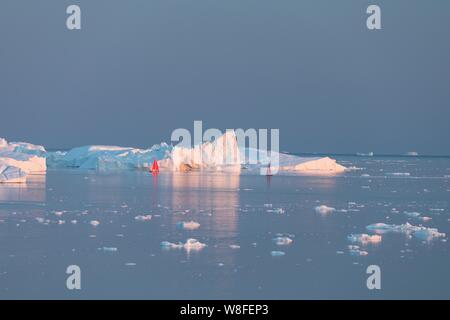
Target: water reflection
(34, 190)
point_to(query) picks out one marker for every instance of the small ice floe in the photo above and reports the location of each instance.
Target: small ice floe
(130, 264)
(419, 232)
(42, 220)
(282, 241)
(58, 213)
(398, 174)
(61, 222)
(323, 209)
(277, 253)
(339, 252)
(94, 223)
(235, 246)
(365, 175)
(108, 249)
(73, 221)
(267, 205)
(364, 238)
(412, 214)
(143, 218)
(277, 210)
(188, 225)
(356, 251)
(191, 244)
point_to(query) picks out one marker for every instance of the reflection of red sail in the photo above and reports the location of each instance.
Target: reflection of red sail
(269, 171)
(155, 167)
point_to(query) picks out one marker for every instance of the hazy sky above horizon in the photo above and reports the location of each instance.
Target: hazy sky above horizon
(139, 69)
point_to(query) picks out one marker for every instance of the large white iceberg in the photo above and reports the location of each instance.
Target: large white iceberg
(222, 154)
(25, 156)
(108, 157)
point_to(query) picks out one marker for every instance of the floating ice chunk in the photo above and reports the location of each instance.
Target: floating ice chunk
(364, 238)
(73, 221)
(189, 225)
(419, 232)
(61, 222)
(193, 244)
(147, 217)
(412, 214)
(282, 241)
(278, 210)
(108, 249)
(357, 252)
(277, 253)
(190, 244)
(58, 213)
(398, 174)
(323, 209)
(94, 223)
(235, 246)
(170, 245)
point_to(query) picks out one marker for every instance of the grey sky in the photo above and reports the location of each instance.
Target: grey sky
(140, 68)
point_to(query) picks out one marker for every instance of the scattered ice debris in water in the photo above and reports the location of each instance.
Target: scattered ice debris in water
(147, 217)
(191, 244)
(282, 241)
(419, 232)
(108, 249)
(130, 264)
(398, 174)
(188, 225)
(277, 253)
(364, 238)
(235, 246)
(323, 209)
(356, 251)
(94, 223)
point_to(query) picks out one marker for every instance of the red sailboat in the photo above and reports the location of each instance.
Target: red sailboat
(155, 167)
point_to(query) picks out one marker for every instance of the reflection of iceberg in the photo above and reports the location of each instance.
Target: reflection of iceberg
(31, 191)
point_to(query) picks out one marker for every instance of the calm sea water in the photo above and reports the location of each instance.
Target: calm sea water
(239, 216)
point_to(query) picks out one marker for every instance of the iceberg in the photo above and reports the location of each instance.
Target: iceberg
(25, 156)
(10, 174)
(222, 154)
(108, 157)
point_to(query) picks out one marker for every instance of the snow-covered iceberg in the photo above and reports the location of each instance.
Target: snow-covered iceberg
(25, 156)
(10, 174)
(108, 157)
(222, 154)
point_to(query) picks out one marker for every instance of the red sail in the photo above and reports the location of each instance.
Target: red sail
(155, 167)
